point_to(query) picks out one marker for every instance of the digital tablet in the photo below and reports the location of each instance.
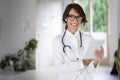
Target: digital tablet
(94, 44)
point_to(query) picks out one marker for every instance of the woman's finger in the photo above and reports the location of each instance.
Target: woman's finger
(102, 49)
(99, 54)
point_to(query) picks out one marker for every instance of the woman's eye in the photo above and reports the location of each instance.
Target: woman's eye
(71, 16)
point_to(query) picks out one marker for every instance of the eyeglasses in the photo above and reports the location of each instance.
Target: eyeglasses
(72, 18)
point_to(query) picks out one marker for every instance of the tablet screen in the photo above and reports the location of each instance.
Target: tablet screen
(94, 44)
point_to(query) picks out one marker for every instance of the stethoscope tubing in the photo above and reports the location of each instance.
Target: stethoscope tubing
(64, 45)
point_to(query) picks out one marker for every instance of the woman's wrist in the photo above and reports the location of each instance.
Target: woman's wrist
(95, 62)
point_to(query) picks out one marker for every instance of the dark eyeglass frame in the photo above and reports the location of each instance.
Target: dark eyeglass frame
(72, 18)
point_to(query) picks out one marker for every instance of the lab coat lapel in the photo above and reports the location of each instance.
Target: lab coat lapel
(72, 40)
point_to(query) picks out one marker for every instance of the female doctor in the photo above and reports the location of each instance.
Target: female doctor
(69, 48)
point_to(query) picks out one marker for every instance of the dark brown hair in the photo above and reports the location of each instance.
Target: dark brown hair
(78, 9)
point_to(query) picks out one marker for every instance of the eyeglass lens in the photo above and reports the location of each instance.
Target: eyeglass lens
(72, 17)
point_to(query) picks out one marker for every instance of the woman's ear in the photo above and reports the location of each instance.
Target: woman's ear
(66, 20)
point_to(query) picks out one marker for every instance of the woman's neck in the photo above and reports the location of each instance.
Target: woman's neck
(72, 31)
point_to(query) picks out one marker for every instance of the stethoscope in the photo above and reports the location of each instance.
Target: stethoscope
(65, 45)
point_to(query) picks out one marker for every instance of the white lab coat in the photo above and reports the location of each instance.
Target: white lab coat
(68, 67)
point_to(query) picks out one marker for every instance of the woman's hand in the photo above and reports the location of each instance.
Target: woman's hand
(99, 56)
(86, 62)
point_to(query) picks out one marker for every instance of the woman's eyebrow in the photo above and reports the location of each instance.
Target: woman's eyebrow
(74, 15)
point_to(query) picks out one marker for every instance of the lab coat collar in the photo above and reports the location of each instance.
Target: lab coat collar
(72, 35)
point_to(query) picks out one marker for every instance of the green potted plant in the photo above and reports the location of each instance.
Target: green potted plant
(117, 59)
(21, 60)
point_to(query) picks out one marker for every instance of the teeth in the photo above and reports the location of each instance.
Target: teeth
(74, 24)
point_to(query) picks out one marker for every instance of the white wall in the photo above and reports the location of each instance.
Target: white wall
(113, 28)
(18, 25)
(3, 26)
(49, 24)
(119, 18)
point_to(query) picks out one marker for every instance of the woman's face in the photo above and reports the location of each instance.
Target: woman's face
(73, 21)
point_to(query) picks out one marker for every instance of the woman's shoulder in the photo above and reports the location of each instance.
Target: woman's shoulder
(57, 38)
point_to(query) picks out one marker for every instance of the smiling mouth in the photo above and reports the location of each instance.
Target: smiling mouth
(74, 25)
